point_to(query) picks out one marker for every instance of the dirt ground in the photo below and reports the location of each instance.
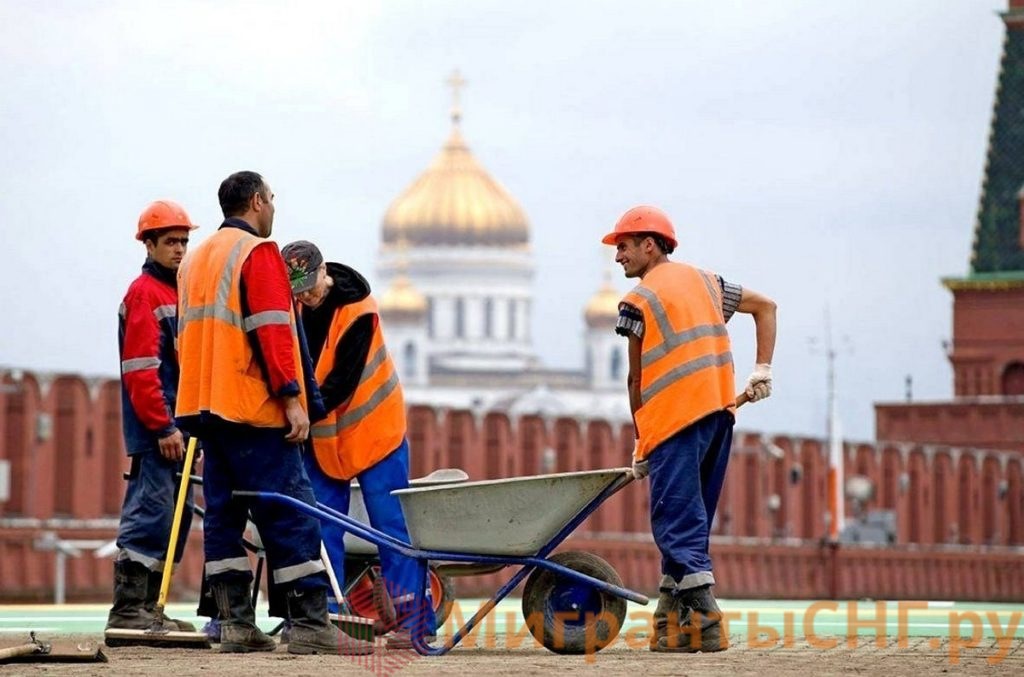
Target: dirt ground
(920, 656)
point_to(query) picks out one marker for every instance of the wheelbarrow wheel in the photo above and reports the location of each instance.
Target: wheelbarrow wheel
(442, 589)
(569, 617)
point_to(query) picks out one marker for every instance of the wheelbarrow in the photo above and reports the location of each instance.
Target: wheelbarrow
(573, 602)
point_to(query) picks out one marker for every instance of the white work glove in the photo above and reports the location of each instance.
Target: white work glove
(759, 385)
(640, 468)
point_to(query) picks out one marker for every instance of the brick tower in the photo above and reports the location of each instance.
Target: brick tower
(987, 351)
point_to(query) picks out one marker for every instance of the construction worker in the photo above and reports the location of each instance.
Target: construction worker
(242, 392)
(149, 384)
(363, 433)
(681, 392)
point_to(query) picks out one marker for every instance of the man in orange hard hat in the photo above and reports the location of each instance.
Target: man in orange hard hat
(681, 392)
(149, 385)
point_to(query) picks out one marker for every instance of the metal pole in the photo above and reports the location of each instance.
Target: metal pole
(836, 516)
(58, 585)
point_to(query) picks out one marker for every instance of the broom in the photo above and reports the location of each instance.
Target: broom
(160, 634)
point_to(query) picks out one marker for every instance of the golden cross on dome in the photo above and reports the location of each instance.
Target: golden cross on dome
(456, 82)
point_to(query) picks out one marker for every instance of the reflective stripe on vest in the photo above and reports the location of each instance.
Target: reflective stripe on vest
(219, 371)
(686, 360)
(672, 338)
(371, 423)
(219, 309)
(357, 414)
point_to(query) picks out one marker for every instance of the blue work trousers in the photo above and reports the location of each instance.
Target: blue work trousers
(148, 511)
(405, 577)
(686, 473)
(240, 457)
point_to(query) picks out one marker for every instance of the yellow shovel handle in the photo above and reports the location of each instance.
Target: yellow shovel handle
(179, 509)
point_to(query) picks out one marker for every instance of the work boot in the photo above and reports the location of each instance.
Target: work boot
(398, 640)
(313, 633)
(409, 616)
(699, 629)
(238, 631)
(402, 639)
(128, 612)
(669, 606)
(212, 630)
(156, 578)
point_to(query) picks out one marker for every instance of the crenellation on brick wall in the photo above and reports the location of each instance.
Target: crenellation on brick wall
(943, 494)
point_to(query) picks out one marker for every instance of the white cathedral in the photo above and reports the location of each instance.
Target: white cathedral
(456, 264)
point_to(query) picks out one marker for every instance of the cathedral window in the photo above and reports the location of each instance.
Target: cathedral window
(410, 360)
(511, 319)
(460, 318)
(616, 366)
(488, 318)
(430, 317)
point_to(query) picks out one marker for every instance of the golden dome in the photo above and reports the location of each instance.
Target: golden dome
(456, 202)
(603, 307)
(402, 299)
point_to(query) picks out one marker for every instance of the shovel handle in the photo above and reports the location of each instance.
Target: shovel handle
(331, 576)
(179, 509)
(742, 399)
(22, 650)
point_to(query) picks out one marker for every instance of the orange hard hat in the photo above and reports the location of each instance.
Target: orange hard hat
(643, 219)
(163, 214)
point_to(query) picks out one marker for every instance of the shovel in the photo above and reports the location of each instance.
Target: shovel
(44, 652)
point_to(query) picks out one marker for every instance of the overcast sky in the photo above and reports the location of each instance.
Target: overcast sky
(826, 153)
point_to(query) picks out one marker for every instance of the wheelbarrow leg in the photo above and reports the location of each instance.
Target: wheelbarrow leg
(419, 642)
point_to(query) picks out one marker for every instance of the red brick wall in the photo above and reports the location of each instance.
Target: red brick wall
(984, 424)
(62, 438)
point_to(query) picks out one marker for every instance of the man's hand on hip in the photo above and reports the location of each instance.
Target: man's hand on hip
(298, 419)
(172, 447)
(759, 385)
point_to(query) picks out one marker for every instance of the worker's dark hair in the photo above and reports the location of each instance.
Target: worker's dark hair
(236, 191)
(659, 241)
(155, 235)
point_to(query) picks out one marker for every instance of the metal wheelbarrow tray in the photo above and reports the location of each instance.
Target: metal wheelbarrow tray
(515, 516)
(573, 602)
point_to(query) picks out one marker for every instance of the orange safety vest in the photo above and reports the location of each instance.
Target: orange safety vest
(371, 423)
(686, 361)
(219, 371)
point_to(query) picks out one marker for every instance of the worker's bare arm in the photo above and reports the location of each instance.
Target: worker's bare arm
(763, 309)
